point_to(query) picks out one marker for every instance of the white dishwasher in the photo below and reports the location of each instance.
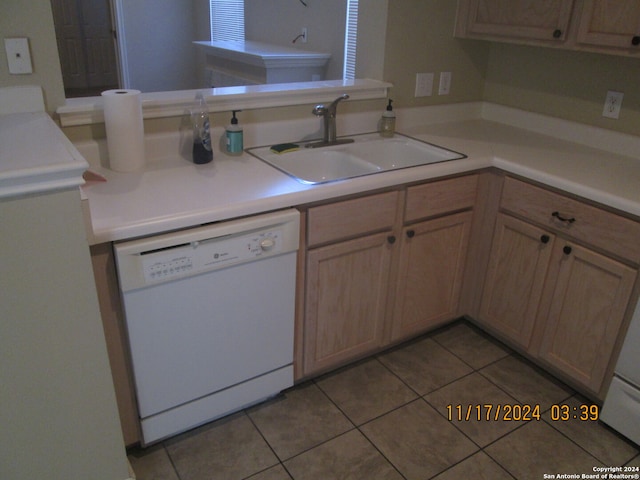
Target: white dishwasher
(210, 318)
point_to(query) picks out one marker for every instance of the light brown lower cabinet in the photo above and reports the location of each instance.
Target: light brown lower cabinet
(346, 300)
(548, 292)
(583, 308)
(432, 261)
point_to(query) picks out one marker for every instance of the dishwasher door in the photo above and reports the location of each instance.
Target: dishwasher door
(210, 319)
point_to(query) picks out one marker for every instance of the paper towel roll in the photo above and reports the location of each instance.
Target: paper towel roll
(125, 129)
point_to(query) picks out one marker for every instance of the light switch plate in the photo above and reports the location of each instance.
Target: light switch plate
(445, 83)
(18, 55)
(424, 84)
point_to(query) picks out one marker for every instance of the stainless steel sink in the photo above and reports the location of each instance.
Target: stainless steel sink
(368, 154)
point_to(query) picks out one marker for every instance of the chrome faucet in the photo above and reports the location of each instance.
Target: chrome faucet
(329, 120)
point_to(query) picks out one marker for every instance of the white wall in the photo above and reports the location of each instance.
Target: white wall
(58, 414)
(279, 21)
(158, 36)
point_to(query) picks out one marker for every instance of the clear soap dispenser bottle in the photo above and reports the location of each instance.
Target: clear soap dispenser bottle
(388, 121)
(202, 151)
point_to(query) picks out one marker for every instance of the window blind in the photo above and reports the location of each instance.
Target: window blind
(349, 71)
(227, 19)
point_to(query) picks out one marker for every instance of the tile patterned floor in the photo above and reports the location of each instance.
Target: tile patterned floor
(386, 418)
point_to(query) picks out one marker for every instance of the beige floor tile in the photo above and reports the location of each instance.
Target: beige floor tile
(477, 467)
(349, 456)
(301, 418)
(424, 365)
(152, 463)
(471, 344)
(472, 391)
(418, 441)
(230, 448)
(594, 437)
(537, 448)
(366, 390)
(527, 384)
(274, 473)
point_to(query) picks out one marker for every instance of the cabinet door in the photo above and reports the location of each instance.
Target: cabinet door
(588, 303)
(432, 260)
(346, 300)
(610, 23)
(522, 19)
(513, 288)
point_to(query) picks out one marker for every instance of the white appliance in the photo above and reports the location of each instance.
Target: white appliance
(210, 318)
(621, 409)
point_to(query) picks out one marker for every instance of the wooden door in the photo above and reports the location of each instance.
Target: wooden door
(346, 299)
(610, 23)
(515, 277)
(524, 19)
(432, 261)
(588, 300)
(85, 45)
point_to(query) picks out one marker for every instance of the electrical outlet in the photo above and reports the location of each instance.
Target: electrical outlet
(424, 84)
(612, 104)
(18, 55)
(445, 83)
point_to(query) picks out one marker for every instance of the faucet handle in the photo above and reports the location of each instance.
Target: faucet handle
(319, 110)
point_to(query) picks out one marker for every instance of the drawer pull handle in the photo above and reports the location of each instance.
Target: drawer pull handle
(557, 33)
(566, 250)
(635, 41)
(391, 239)
(411, 233)
(563, 219)
(545, 238)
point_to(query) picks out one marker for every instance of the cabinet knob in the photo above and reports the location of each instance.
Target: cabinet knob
(635, 41)
(557, 33)
(545, 238)
(391, 239)
(563, 219)
(411, 233)
(566, 250)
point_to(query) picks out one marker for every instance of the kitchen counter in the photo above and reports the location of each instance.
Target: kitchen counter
(172, 193)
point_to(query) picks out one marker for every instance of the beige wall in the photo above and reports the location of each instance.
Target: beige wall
(570, 85)
(33, 19)
(420, 40)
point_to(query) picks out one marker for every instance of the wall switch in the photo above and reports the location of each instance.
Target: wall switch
(445, 83)
(18, 55)
(424, 84)
(612, 104)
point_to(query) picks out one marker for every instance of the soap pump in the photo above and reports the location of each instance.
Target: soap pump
(202, 151)
(234, 135)
(388, 121)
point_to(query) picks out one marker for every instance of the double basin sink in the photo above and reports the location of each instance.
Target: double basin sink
(367, 154)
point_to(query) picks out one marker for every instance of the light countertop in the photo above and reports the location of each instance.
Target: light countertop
(172, 193)
(35, 156)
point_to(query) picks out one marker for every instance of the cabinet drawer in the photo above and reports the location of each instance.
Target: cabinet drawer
(585, 223)
(336, 221)
(440, 197)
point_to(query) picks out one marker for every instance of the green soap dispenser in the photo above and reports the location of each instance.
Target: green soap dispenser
(235, 141)
(388, 121)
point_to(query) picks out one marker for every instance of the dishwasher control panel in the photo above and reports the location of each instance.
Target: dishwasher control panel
(209, 254)
(172, 256)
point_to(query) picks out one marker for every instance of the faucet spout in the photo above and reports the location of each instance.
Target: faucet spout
(328, 115)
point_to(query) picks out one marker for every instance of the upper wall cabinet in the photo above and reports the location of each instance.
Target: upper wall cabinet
(611, 23)
(546, 20)
(603, 26)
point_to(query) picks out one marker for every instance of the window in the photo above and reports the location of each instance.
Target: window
(227, 19)
(351, 35)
